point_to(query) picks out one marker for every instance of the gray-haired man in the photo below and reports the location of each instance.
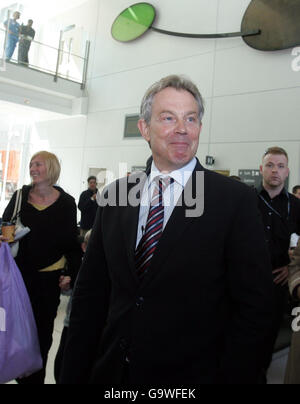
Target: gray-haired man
(165, 297)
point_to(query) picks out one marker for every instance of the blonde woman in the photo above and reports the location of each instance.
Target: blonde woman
(49, 248)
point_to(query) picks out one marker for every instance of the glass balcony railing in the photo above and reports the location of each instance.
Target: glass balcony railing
(45, 58)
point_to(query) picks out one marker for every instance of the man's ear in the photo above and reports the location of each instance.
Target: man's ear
(144, 129)
(200, 130)
(261, 168)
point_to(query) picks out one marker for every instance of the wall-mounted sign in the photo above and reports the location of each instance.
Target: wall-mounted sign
(135, 169)
(251, 177)
(254, 178)
(209, 160)
(131, 130)
(267, 24)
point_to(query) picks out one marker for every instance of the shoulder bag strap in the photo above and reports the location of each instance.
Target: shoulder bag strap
(18, 204)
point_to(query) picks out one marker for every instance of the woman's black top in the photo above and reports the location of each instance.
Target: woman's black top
(53, 234)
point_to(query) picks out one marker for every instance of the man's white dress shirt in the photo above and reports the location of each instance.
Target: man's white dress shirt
(170, 196)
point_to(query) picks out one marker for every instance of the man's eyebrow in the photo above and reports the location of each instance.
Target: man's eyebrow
(192, 113)
(167, 112)
(174, 113)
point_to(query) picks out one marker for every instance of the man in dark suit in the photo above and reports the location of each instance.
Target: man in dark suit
(175, 285)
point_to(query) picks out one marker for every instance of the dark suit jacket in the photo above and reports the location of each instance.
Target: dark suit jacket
(201, 314)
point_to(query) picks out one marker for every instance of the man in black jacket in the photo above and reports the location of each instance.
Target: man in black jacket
(280, 212)
(27, 35)
(88, 206)
(172, 291)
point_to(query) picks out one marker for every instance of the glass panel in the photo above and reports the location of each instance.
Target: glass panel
(71, 66)
(42, 57)
(133, 22)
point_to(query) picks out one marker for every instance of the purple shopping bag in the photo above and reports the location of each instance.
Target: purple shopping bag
(19, 344)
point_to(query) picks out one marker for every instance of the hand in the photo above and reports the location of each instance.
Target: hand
(282, 277)
(94, 196)
(65, 283)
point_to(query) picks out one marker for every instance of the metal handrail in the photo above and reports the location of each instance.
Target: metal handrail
(49, 46)
(59, 52)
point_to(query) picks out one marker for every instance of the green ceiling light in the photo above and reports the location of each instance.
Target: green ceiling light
(133, 22)
(267, 25)
(137, 19)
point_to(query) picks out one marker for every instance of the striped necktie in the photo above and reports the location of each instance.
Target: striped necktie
(153, 229)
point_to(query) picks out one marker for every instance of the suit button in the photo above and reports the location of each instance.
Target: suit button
(139, 301)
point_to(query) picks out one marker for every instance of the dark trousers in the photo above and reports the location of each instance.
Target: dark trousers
(23, 51)
(44, 293)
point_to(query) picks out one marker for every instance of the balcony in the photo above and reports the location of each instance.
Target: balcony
(53, 80)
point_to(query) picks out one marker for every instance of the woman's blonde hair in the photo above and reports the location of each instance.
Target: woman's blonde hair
(52, 165)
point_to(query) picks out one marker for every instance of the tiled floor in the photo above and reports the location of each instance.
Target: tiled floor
(275, 375)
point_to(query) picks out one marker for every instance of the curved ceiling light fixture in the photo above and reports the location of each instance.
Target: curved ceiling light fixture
(267, 25)
(137, 19)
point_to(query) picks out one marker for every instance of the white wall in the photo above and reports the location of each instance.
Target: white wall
(65, 138)
(252, 97)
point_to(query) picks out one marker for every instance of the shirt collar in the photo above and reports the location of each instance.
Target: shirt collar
(262, 191)
(181, 176)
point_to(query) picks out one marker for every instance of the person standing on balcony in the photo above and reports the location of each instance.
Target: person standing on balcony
(13, 29)
(27, 34)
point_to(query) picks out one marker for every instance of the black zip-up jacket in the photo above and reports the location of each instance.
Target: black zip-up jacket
(281, 218)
